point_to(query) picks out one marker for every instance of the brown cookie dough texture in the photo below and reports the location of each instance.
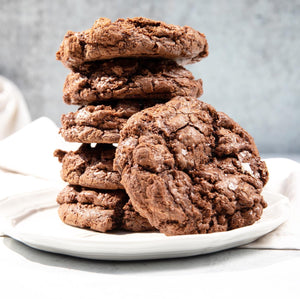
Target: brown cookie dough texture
(129, 79)
(87, 216)
(101, 123)
(136, 37)
(189, 169)
(100, 210)
(107, 199)
(90, 167)
(133, 221)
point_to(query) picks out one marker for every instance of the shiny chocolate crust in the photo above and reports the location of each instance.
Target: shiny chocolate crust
(189, 169)
(132, 37)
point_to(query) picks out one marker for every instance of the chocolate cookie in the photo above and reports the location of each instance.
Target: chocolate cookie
(189, 169)
(88, 216)
(136, 37)
(129, 79)
(107, 199)
(81, 205)
(100, 210)
(101, 123)
(90, 167)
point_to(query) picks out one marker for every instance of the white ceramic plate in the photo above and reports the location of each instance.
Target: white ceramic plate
(32, 219)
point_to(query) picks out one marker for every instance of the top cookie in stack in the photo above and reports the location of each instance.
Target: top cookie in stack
(132, 38)
(117, 69)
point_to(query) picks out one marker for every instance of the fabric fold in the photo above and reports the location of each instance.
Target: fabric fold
(14, 113)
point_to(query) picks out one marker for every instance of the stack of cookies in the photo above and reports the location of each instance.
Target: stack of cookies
(117, 70)
(179, 166)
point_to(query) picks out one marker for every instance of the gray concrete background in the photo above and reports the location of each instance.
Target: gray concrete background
(252, 72)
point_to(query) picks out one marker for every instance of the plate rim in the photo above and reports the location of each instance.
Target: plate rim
(31, 239)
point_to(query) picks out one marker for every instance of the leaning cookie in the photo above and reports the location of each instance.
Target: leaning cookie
(101, 123)
(136, 37)
(90, 167)
(129, 79)
(189, 169)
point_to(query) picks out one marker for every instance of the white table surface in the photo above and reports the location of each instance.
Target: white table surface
(235, 273)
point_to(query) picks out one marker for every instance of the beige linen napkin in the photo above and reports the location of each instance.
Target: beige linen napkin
(284, 179)
(13, 110)
(30, 150)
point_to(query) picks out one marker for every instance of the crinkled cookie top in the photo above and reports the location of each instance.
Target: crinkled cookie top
(189, 169)
(132, 37)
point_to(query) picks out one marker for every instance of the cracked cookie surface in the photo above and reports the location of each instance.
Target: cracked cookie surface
(189, 169)
(101, 123)
(129, 79)
(133, 221)
(107, 199)
(100, 210)
(90, 167)
(88, 216)
(135, 37)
